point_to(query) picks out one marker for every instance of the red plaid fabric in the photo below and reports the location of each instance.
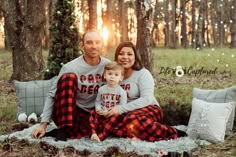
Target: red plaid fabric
(101, 125)
(94, 120)
(145, 124)
(65, 111)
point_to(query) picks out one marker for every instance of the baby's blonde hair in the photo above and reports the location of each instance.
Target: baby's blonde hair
(113, 65)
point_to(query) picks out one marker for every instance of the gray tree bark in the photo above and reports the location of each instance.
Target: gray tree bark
(109, 22)
(155, 28)
(200, 23)
(193, 40)
(183, 24)
(221, 24)
(144, 27)
(49, 11)
(25, 20)
(92, 24)
(233, 26)
(167, 26)
(173, 25)
(123, 18)
(7, 45)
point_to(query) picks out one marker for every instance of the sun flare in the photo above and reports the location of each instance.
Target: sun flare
(105, 34)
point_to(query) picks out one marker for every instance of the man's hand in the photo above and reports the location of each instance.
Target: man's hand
(39, 131)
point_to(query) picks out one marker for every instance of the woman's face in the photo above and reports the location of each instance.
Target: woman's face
(126, 57)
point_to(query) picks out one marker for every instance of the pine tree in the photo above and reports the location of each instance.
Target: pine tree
(64, 38)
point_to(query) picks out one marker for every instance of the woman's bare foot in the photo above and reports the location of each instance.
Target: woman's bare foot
(95, 137)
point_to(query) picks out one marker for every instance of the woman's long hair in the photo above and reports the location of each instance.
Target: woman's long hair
(137, 63)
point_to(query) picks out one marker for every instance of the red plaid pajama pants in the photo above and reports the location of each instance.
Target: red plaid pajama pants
(145, 124)
(65, 110)
(99, 124)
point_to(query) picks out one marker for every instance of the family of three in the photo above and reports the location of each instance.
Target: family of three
(96, 98)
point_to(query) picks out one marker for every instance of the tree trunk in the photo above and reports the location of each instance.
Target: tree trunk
(166, 28)
(144, 22)
(109, 19)
(92, 4)
(25, 22)
(200, 22)
(123, 18)
(7, 43)
(46, 40)
(183, 24)
(155, 29)
(214, 21)
(208, 15)
(233, 26)
(173, 28)
(221, 24)
(205, 23)
(193, 24)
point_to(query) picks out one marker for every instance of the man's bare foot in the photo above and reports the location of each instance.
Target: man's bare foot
(95, 137)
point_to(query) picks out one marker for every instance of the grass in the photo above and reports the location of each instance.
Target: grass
(208, 59)
(8, 105)
(172, 92)
(7, 98)
(5, 65)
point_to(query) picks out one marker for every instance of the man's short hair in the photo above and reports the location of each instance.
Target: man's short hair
(88, 31)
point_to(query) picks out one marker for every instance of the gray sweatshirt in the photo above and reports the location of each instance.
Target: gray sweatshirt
(109, 97)
(90, 78)
(140, 91)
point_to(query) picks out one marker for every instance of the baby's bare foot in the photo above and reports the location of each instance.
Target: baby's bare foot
(135, 139)
(95, 137)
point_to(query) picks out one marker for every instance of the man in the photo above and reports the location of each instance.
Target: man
(74, 92)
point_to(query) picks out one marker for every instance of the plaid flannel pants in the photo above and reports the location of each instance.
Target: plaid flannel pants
(101, 125)
(65, 110)
(145, 124)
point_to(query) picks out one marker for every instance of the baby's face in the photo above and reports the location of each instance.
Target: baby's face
(113, 77)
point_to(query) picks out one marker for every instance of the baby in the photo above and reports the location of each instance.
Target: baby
(109, 95)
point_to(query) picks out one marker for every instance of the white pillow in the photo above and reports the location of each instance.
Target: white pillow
(219, 96)
(208, 120)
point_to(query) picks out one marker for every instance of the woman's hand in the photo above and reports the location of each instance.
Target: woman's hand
(112, 112)
(39, 131)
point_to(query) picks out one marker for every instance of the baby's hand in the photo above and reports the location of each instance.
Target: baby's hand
(95, 137)
(101, 112)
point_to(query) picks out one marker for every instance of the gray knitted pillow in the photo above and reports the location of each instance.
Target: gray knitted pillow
(218, 96)
(31, 95)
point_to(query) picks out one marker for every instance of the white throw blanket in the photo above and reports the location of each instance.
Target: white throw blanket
(140, 147)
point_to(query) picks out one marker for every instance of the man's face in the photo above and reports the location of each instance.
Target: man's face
(92, 44)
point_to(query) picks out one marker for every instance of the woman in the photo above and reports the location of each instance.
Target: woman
(142, 116)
